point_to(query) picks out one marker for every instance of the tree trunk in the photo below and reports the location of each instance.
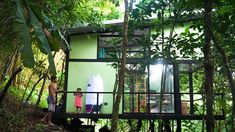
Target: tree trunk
(208, 67)
(62, 72)
(41, 90)
(7, 69)
(4, 91)
(43, 84)
(229, 74)
(27, 85)
(163, 84)
(121, 72)
(16, 57)
(115, 88)
(34, 86)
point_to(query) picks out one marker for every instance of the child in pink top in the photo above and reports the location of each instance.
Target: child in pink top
(78, 100)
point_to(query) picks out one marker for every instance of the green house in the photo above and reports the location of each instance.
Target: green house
(153, 87)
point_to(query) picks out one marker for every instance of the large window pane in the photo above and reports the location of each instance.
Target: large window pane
(161, 88)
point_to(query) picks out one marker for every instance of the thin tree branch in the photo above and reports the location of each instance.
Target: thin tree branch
(4, 91)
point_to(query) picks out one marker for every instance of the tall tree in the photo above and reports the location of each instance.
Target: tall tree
(228, 73)
(223, 38)
(208, 66)
(116, 105)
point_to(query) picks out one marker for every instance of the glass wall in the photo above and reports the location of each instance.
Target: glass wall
(156, 94)
(135, 90)
(161, 88)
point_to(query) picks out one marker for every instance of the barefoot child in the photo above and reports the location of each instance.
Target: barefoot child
(78, 100)
(52, 88)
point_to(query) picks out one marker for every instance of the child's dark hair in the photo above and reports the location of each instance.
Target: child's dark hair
(53, 77)
(79, 89)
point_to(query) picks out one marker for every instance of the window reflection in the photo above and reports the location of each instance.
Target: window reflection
(161, 82)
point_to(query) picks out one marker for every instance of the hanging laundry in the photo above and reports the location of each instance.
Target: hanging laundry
(102, 53)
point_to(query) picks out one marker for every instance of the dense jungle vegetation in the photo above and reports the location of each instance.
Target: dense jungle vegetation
(33, 46)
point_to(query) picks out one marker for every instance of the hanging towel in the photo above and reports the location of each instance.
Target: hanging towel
(102, 53)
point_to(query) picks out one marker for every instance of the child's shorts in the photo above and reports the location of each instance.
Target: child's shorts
(51, 107)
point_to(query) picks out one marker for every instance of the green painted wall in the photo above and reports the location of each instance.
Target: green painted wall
(83, 46)
(78, 76)
(178, 29)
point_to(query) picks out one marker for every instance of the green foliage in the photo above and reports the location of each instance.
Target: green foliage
(24, 18)
(96, 11)
(191, 126)
(43, 43)
(72, 12)
(184, 87)
(6, 30)
(13, 116)
(189, 43)
(23, 37)
(10, 121)
(38, 23)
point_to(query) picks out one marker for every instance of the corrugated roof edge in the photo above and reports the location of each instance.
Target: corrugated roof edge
(117, 22)
(94, 29)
